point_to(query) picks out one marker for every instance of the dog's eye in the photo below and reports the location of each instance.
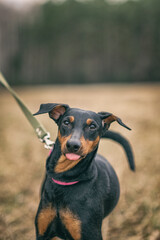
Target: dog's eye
(66, 122)
(92, 126)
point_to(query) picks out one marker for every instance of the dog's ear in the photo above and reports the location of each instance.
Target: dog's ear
(55, 110)
(108, 118)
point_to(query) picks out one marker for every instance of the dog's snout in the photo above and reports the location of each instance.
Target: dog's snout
(73, 145)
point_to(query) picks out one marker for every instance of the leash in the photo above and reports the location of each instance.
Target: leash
(40, 131)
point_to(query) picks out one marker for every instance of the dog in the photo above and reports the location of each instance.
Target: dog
(81, 187)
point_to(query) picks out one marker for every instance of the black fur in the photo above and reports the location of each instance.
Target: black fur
(96, 192)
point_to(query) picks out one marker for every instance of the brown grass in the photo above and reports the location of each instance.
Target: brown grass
(22, 157)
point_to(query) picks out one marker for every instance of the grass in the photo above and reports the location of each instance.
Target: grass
(22, 157)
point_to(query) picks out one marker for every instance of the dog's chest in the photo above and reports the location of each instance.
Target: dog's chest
(66, 222)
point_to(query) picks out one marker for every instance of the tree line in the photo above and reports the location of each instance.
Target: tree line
(85, 42)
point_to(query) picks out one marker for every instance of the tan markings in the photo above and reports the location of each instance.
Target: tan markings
(89, 121)
(110, 119)
(45, 217)
(64, 164)
(57, 111)
(88, 146)
(71, 118)
(72, 223)
(63, 141)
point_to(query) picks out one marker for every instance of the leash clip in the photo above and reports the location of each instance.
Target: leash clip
(44, 137)
(48, 143)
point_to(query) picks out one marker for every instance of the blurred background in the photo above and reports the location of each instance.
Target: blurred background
(97, 55)
(80, 41)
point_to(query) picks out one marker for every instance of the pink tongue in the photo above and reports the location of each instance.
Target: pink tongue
(72, 156)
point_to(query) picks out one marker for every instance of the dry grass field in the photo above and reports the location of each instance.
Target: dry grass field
(22, 157)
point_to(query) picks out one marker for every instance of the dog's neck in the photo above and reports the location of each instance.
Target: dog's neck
(85, 169)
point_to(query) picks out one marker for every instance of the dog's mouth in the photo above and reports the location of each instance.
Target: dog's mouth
(72, 156)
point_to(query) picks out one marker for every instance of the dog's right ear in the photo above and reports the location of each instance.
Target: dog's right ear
(54, 110)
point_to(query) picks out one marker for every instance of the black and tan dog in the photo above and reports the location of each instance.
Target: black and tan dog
(81, 188)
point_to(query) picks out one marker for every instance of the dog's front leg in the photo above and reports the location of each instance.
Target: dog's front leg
(45, 216)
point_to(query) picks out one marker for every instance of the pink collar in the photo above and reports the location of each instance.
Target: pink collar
(64, 183)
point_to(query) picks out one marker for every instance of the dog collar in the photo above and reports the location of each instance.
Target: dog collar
(64, 183)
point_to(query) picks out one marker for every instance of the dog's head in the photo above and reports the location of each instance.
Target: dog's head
(79, 131)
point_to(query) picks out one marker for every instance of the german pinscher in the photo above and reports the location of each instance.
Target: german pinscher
(81, 187)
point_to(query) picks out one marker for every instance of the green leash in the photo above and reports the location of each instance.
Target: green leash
(40, 131)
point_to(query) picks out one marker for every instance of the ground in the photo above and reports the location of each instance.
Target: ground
(22, 156)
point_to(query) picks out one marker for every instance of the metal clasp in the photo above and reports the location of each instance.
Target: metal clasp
(48, 143)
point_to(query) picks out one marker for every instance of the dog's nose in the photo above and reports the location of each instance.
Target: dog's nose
(73, 145)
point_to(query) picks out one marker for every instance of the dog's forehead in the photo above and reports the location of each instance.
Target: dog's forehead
(83, 115)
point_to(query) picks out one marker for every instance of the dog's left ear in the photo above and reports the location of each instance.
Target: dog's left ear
(55, 110)
(108, 118)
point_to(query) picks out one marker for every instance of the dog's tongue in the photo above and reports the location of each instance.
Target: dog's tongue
(72, 156)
